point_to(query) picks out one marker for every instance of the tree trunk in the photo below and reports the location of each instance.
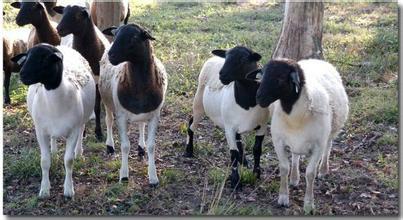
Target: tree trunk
(301, 34)
(107, 14)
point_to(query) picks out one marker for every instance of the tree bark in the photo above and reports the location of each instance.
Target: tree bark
(301, 34)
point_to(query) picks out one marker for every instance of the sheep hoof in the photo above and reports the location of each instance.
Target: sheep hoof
(43, 194)
(309, 208)
(257, 172)
(110, 149)
(154, 185)
(124, 180)
(68, 194)
(68, 197)
(245, 162)
(188, 154)
(283, 200)
(235, 179)
(7, 101)
(140, 152)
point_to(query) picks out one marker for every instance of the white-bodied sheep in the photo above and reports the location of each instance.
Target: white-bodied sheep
(61, 97)
(132, 84)
(310, 107)
(229, 100)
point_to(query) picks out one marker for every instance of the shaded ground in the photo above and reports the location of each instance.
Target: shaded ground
(360, 39)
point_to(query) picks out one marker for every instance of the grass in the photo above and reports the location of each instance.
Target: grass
(172, 176)
(360, 39)
(216, 175)
(375, 105)
(27, 165)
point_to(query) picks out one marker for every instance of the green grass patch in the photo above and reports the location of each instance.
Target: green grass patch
(216, 175)
(247, 176)
(252, 210)
(273, 187)
(172, 176)
(24, 166)
(388, 138)
(375, 105)
(114, 191)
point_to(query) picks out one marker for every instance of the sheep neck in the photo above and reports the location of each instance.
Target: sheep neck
(89, 46)
(141, 89)
(46, 33)
(245, 93)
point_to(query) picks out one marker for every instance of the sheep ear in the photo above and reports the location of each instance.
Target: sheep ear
(19, 59)
(147, 35)
(58, 9)
(85, 13)
(39, 5)
(220, 53)
(255, 57)
(295, 80)
(111, 31)
(16, 4)
(56, 56)
(256, 75)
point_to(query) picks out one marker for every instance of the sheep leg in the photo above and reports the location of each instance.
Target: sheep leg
(309, 178)
(7, 76)
(79, 146)
(71, 144)
(230, 134)
(294, 175)
(257, 152)
(53, 145)
(110, 145)
(151, 131)
(324, 164)
(238, 140)
(284, 164)
(198, 111)
(43, 141)
(142, 144)
(97, 110)
(125, 148)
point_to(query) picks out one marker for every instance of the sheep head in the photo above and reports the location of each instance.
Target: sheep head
(131, 43)
(238, 62)
(41, 64)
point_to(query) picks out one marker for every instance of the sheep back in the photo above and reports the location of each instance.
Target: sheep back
(209, 74)
(322, 77)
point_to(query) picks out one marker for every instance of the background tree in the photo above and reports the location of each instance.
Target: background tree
(301, 34)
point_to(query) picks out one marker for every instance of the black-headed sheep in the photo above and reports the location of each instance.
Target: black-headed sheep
(61, 97)
(310, 106)
(228, 99)
(132, 84)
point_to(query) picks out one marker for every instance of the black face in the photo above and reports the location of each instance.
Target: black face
(131, 43)
(74, 19)
(30, 12)
(41, 64)
(238, 62)
(277, 82)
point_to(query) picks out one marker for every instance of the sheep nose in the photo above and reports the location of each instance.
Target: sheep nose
(60, 30)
